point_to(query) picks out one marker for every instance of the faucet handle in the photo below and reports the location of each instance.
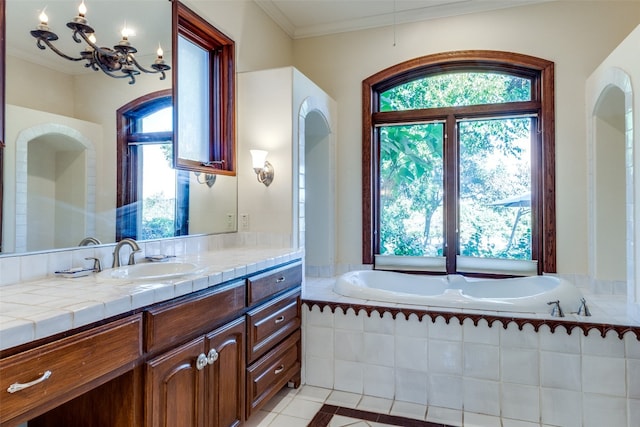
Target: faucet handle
(97, 268)
(132, 258)
(583, 310)
(556, 311)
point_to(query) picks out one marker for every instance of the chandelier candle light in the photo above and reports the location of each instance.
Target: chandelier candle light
(118, 62)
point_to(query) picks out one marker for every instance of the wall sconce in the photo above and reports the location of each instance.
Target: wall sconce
(262, 168)
(209, 179)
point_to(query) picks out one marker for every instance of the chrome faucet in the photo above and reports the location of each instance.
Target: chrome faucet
(116, 252)
(97, 268)
(556, 311)
(89, 241)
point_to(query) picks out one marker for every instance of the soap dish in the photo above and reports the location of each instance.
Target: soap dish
(159, 258)
(74, 272)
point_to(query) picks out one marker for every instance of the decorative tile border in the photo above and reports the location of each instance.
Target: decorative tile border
(552, 324)
(326, 413)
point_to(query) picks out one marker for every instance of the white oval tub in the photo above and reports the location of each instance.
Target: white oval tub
(520, 295)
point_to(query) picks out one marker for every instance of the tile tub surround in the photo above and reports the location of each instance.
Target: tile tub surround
(525, 370)
(36, 309)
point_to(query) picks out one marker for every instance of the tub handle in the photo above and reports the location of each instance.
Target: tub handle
(556, 311)
(583, 310)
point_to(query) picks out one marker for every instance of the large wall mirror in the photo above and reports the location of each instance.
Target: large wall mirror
(62, 171)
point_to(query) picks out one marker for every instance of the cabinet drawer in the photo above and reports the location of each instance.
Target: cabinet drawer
(75, 365)
(177, 321)
(270, 373)
(271, 282)
(272, 322)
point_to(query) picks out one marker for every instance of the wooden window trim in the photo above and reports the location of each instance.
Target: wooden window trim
(543, 191)
(222, 123)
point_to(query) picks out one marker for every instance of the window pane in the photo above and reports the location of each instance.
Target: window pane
(158, 192)
(159, 121)
(411, 190)
(193, 101)
(495, 188)
(456, 89)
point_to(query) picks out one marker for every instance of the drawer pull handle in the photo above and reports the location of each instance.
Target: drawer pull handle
(280, 279)
(17, 386)
(212, 356)
(279, 369)
(201, 361)
(279, 319)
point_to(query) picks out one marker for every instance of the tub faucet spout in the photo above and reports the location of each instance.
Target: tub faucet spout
(556, 311)
(583, 310)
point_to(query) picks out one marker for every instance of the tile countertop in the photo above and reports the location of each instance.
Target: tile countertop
(38, 309)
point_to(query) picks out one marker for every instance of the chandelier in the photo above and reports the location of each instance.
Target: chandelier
(118, 62)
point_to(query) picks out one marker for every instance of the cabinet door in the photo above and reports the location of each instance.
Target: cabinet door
(226, 375)
(175, 387)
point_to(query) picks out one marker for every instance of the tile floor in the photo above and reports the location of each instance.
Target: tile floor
(296, 408)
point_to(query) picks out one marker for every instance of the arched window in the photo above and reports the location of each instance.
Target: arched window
(152, 196)
(458, 165)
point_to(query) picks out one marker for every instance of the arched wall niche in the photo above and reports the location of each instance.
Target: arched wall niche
(612, 187)
(60, 138)
(316, 187)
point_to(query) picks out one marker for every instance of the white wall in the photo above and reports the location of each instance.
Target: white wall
(272, 107)
(265, 122)
(260, 43)
(577, 36)
(621, 69)
(25, 87)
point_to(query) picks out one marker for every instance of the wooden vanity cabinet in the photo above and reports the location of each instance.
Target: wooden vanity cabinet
(200, 383)
(64, 369)
(273, 334)
(264, 286)
(211, 359)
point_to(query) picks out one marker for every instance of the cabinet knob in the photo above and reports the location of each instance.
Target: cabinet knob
(201, 361)
(21, 386)
(279, 319)
(280, 279)
(279, 369)
(212, 356)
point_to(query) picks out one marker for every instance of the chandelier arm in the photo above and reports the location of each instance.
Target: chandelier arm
(95, 47)
(133, 60)
(108, 72)
(56, 50)
(160, 71)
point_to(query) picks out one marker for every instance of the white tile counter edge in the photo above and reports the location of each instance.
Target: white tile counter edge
(42, 308)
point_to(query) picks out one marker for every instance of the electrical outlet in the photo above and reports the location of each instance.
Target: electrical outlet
(244, 222)
(231, 219)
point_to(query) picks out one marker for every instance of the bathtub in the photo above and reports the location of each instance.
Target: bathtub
(520, 295)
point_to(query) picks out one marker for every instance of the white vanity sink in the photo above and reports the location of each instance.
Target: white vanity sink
(152, 271)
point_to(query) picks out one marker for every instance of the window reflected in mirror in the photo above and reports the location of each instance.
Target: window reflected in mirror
(153, 196)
